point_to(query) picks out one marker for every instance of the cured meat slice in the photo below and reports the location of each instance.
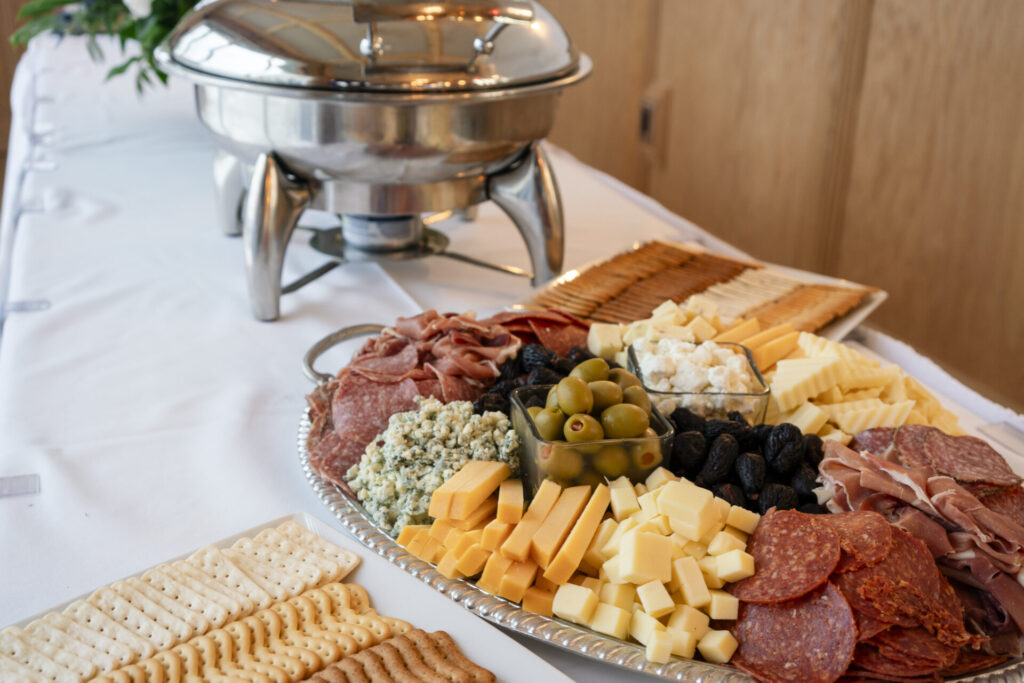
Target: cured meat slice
(877, 440)
(1008, 501)
(868, 628)
(967, 459)
(810, 639)
(874, 661)
(559, 338)
(557, 330)
(793, 554)
(865, 538)
(914, 643)
(970, 662)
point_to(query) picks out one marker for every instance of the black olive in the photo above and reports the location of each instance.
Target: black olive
(502, 387)
(761, 433)
(491, 402)
(563, 366)
(508, 371)
(578, 354)
(731, 493)
(542, 375)
(813, 509)
(804, 481)
(785, 448)
(777, 496)
(536, 356)
(719, 462)
(750, 469)
(737, 416)
(686, 420)
(688, 449)
(814, 451)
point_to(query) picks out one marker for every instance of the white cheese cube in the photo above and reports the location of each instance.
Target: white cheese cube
(604, 340)
(691, 510)
(595, 556)
(690, 620)
(614, 542)
(709, 566)
(648, 503)
(645, 557)
(642, 625)
(620, 595)
(739, 535)
(695, 550)
(610, 620)
(734, 565)
(659, 647)
(723, 605)
(655, 599)
(621, 482)
(702, 329)
(669, 310)
(717, 646)
(722, 506)
(574, 603)
(610, 571)
(684, 643)
(624, 502)
(743, 519)
(639, 489)
(688, 579)
(723, 542)
(658, 478)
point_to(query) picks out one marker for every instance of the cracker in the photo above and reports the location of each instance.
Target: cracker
(171, 664)
(304, 538)
(432, 656)
(397, 626)
(42, 666)
(374, 666)
(279, 585)
(93, 619)
(353, 670)
(72, 654)
(242, 637)
(105, 653)
(350, 594)
(329, 646)
(239, 664)
(399, 668)
(377, 627)
(152, 671)
(268, 648)
(414, 660)
(191, 660)
(134, 619)
(214, 563)
(235, 605)
(454, 655)
(181, 602)
(181, 629)
(330, 570)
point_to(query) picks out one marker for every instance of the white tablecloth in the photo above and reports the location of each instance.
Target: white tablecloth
(158, 413)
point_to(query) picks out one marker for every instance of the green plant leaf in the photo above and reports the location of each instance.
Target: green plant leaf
(34, 27)
(34, 8)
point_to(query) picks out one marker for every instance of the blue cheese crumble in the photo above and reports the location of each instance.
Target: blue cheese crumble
(420, 450)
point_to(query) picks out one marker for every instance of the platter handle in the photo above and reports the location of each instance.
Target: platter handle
(330, 341)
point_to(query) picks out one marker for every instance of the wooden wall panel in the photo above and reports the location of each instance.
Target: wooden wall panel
(8, 60)
(599, 120)
(761, 99)
(935, 207)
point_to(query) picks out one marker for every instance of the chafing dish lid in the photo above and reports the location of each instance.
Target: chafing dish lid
(375, 45)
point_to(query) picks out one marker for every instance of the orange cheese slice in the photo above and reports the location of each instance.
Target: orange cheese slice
(495, 568)
(479, 517)
(770, 353)
(739, 331)
(516, 580)
(473, 560)
(517, 545)
(408, 531)
(441, 498)
(558, 524)
(495, 534)
(538, 601)
(571, 553)
(415, 544)
(510, 501)
(766, 336)
(487, 475)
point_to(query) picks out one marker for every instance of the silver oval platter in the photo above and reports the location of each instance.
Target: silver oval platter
(549, 630)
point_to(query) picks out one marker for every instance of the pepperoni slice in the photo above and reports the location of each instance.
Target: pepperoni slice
(810, 639)
(865, 538)
(872, 659)
(793, 554)
(915, 643)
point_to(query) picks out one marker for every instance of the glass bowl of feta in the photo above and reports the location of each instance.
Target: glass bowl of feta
(584, 462)
(712, 379)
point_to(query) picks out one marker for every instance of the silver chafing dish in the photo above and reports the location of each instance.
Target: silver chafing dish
(380, 111)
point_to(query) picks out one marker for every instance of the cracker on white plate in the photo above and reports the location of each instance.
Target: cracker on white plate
(111, 653)
(189, 611)
(280, 585)
(184, 574)
(294, 563)
(90, 617)
(179, 628)
(214, 563)
(43, 666)
(303, 537)
(330, 570)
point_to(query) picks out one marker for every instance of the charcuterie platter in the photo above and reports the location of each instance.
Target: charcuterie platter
(645, 494)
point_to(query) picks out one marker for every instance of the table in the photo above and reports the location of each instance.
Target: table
(158, 413)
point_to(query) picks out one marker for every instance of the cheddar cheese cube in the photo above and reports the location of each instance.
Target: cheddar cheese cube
(538, 601)
(570, 555)
(467, 540)
(624, 502)
(655, 599)
(743, 519)
(684, 643)
(472, 561)
(691, 620)
(717, 646)
(574, 603)
(487, 475)
(642, 625)
(446, 566)
(416, 542)
(495, 568)
(723, 542)
(723, 605)
(548, 538)
(494, 534)
(478, 517)
(518, 544)
(516, 580)
(734, 565)
(440, 529)
(620, 595)
(689, 580)
(545, 585)
(510, 501)
(659, 647)
(610, 620)
(407, 533)
(739, 331)
(645, 557)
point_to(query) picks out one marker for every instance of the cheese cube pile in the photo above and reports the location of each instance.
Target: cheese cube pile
(646, 562)
(834, 391)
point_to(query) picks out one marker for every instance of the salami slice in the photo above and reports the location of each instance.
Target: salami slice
(915, 643)
(1008, 501)
(809, 639)
(867, 627)
(560, 338)
(865, 539)
(970, 662)
(876, 441)
(794, 553)
(967, 459)
(871, 659)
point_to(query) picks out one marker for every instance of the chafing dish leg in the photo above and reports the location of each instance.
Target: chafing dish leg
(227, 180)
(272, 207)
(529, 195)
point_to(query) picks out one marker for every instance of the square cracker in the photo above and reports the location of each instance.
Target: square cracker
(104, 634)
(214, 563)
(133, 618)
(304, 538)
(43, 667)
(95, 648)
(184, 574)
(179, 628)
(71, 654)
(279, 585)
(192, 612)
(309, 573)
(330, 569)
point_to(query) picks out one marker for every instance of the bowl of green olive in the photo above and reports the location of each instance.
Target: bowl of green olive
(596, 424)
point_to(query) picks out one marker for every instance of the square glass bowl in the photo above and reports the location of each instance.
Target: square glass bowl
(711, 404)
(584, 462)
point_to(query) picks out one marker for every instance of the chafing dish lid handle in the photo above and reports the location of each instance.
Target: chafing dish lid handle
(503, 11)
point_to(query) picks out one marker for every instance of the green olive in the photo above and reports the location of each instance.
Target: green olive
(624, 378)
(549, 424)
(588, 478)
(563, 463)
(649, 432)
(646, 456)
(533, 410)
(582, 427)
(606, 394)
(624, 421)
(552, 399)
(638, 397)
(593, 370)
(574, 396)
(612, 461)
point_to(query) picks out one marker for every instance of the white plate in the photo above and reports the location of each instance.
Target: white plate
(397, 594)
